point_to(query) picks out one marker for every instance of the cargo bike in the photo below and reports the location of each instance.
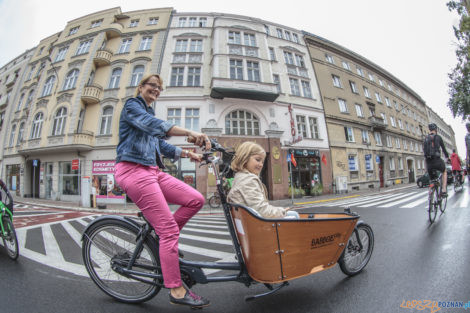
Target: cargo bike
(121, 253)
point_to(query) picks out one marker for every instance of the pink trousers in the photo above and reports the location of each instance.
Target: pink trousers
(151, 189)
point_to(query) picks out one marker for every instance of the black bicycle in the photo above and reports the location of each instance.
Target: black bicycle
(436, 200)
(8, 233)
(458, 181)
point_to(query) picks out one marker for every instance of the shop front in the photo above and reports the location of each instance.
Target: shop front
(13, 178)
(103, 185)
(306, 175)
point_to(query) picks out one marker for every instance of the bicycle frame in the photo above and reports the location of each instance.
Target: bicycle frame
(4, 211)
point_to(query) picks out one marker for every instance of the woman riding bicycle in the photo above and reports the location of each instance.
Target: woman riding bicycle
(139, 173)
(456, 166)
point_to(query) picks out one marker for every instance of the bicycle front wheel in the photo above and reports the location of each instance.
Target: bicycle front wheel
(358, 250)
(109, 245)
(215, 202)
(443, 204)
(433, 203)
(10, 242)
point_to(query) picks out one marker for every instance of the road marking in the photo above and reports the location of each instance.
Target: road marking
(379, 202)
(403, 200)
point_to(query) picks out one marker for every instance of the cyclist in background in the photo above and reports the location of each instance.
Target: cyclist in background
(467, 143)
(432, 146)
(456, 166)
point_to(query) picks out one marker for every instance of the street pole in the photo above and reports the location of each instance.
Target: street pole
(291, 182)
(34, 179)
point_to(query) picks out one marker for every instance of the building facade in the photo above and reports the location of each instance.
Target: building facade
(375, 122)
(444, 130)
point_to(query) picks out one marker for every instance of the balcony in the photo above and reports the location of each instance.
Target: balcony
(114, 30)
(102, 57)
(83, 140)
(92, 94)
(243, 89)
(377, 122)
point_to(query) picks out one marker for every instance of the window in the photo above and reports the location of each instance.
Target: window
(73, 30)
(359, 111)
(353, 87)
(294, 87)
(336, 81)
(181, 45)
(329, 58)
(279, 33)
(29, 100)
(20, 134)
(306, 89)
(368, 161)
(371, 77)
(174, 116)
(192, 21)
(137, 74)
(378, 97)
(405, 144)
(272, 54)
(378, 138)
(47, 90)
(313, 122)
(249, 40)
(346, 65)
(125, 45)
(96, 23)
(69, 180)
(365, 136)
(384, 117)
(153, 21)
(287, 35)
(106, 119)
(18, 107)
(392, 121)
(61, 54)
(288, 57)
(352, 163)
(182, 22)
(236, 69)
(266, 29)
(83, 47)
(12, 135)
(277, 81)
(348, 132)
(295, 38)
(253, 71)
(360, 72)
(387, 101)
(30, 74)
(37, 126)
(146, 43)
(366, 92)
(381, 82)
(177, 75)
(134, 23)
(392, 164)
(59, 122)
(71, 79)
(301, 125)
(191, 120)
(343, 107)
(416, 146)
(241, 123)
(400, 124)
(115, 78)
(2, 117)
(389, 141)
(234, 38)
(195, 45)
(300, 60)
(202, 22)
(397, 143)
(194, 76)
(80, 120)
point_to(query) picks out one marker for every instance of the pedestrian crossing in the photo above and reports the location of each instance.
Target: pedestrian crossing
(204, 238)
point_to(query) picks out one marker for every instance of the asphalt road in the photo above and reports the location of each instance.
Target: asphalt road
(411, 261)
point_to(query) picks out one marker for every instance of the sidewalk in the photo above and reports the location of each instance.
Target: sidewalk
(131, 208)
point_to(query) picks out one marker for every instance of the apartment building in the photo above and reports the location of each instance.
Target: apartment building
(444, 130)
(375, 122)
(12, 76)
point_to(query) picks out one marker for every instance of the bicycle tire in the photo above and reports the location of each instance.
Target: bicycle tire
(10, 241)
(215, 202)
(109, 239)
(353, 259)
(443, 204)
(433, 202)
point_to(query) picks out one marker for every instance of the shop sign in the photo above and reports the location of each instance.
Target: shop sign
(306, 153)
(75, 164)
(103, 167)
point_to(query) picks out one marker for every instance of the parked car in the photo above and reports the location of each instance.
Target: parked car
(423, 181)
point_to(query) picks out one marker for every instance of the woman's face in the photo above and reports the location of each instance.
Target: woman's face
(150, 90)
(255, 163)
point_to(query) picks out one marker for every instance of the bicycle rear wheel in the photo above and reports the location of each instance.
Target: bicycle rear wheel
(433, 203)
(354, 258)
(443, 204)
(10, 242)
(215, 201)
(108, 245)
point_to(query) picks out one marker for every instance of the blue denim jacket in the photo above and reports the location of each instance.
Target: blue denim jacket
(141, 135)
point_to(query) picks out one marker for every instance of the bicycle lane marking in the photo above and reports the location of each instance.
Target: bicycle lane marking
(46, 218)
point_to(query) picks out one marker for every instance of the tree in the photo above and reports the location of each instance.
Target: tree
(459, 87)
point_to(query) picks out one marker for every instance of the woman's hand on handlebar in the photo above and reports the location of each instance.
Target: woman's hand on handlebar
(195, 156)
(199, 139)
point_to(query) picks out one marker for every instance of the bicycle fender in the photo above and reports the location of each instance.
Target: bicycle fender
(124, 219)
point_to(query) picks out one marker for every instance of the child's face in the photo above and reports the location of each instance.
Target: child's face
(255, 163)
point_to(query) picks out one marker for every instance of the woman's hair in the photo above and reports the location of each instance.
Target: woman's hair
(243, 153)
(146, 79)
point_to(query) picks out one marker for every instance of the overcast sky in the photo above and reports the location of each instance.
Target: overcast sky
(411, 39)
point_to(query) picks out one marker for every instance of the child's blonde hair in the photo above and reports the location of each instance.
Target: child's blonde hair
(243, 153)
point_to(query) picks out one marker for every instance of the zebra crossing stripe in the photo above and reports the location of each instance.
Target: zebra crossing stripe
(207, 239)
(213, 232)
(464, 202)
(363, 200)
(50, 244)
(204, 224)
(415, 203)
(379, 202)
(403, 200)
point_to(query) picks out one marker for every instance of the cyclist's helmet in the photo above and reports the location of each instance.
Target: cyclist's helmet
(432, 126)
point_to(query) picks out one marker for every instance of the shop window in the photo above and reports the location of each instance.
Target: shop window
(69, 180)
